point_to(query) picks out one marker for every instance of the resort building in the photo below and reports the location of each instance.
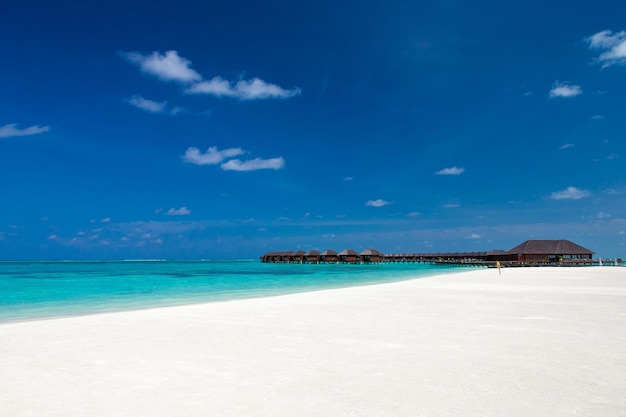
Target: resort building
(550, 251)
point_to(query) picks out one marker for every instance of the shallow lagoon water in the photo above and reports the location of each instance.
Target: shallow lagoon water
(36, 290)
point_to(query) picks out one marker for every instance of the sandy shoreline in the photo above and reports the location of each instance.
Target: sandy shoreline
(532, 342)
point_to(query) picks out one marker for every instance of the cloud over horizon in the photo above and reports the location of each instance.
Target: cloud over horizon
(183, 211)
(377, 203)
(10, 130)
(570, 193)
(451, 171)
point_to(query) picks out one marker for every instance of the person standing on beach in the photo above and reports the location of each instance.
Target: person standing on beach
(498, 266)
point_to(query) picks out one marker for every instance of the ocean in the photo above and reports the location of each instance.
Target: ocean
(41, 290)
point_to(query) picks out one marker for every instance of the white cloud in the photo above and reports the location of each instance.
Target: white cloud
(474, 236)
(172, 67)
(413, 214)
(613, 45)
(254, 89)
(168, 67)
(451, 171)
(106, 220)
(217, 86)
(253, 165)
(560, 89)
(377, 203)
(146, 104)
(348, 179)
(10, 130)
(183, 211)
(451, 205)
(212, 156)
(567, 146)
(570, 193)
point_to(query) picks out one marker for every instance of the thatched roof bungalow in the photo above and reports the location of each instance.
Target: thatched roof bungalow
(371, 255)
(328, 255)
(348, 255)
(312, 256)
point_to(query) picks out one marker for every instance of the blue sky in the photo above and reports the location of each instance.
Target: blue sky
(222, 130)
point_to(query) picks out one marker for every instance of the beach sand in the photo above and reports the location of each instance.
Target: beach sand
(531, 342)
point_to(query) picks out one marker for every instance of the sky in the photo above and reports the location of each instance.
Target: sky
(224, 130)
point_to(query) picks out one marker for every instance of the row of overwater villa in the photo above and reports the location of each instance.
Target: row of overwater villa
(327, 256)
(529, 253)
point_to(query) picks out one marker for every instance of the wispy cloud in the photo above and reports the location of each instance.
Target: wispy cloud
(612, 44)
(167, 67)
(451, 171)
(566, 90)
(451, 205)
(172, 67)
(377, 203)
(254, 89)
(566, 146)
(212, 156)
(11, 130)
(253, 164)
(183, 211)
(146, 104)
(570, 193)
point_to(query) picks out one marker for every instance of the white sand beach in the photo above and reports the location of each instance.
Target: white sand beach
(531, 342)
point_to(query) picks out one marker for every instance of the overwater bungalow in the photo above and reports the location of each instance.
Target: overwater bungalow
(298, 257)
(348, 256)
(329, 256)
(371, 255)
(312, 257)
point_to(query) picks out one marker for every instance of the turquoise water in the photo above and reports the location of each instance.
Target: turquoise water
(35, 290)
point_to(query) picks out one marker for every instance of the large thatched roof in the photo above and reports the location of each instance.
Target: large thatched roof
(371, 252)
(329, 252)
(348, 252)
(550, 247)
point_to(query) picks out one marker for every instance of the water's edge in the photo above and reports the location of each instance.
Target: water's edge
(48, 290)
